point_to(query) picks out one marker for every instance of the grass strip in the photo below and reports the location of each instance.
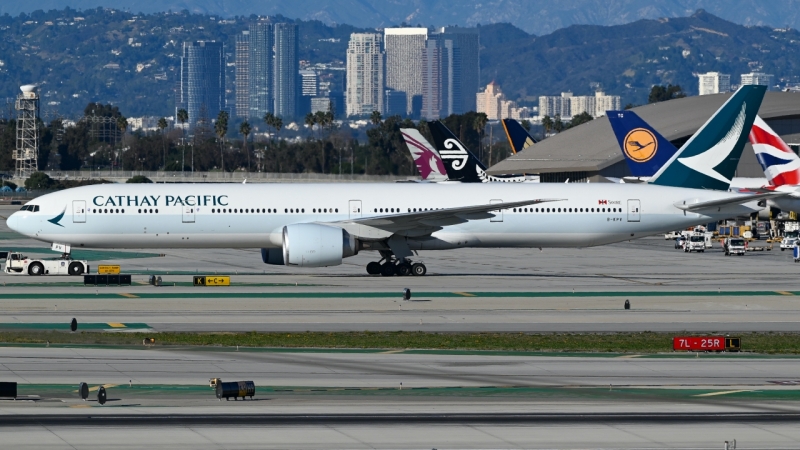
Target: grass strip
(647, 342)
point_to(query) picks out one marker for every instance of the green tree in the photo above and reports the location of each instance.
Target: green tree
(244, 129)
(122, 124)
(579, 119)
(162, 125)
(660, 93)
(479, 124)
(375, 118)
(547, 123)
(221, 129)
(39, 180)
(183, 117)
(558, 125)
(139, 179)
(526, 124)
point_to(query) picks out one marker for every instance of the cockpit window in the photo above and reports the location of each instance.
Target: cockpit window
(31, 208)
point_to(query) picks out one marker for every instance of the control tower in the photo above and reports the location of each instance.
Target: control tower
(26, 154)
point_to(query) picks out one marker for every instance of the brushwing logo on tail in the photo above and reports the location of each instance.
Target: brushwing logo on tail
(459, 155)
(640, 145)
(55, 220)
(706, 162)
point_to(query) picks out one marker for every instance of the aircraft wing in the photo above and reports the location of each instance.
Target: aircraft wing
(728, 201)
(425, 222)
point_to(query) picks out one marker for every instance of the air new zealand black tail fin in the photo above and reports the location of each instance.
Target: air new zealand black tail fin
(460, 163)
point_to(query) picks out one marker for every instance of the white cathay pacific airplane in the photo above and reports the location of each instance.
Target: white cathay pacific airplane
(316, 225)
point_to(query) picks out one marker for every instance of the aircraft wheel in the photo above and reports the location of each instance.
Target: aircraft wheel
(403, 269)
(387, 270)
(419, 269)
(35, 269)
(374, 268)
(75, 268)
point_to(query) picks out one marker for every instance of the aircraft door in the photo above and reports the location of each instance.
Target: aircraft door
(355, 209)
(498, 215)
(188, 214)
(79, 211)
(634, 210)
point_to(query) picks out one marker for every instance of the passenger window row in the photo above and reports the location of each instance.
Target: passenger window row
(109, 211)
(614, 210)
(242, 210)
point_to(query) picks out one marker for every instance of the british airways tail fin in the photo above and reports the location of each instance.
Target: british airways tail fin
(460, 163)
(518, 138)
(781, 165)
(429, 163)
(645, 149)
(709, 159)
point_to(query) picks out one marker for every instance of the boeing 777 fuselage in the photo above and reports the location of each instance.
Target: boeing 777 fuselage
(318, 224)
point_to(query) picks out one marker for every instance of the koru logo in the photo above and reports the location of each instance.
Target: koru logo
(640, 145)
(459, 154)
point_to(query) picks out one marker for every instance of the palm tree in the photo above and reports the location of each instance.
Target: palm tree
(221, 128)
(547, 123)
(480, 125)
(310, 120)
(244, 128)
(375, 118)
(183, 117)
(558, 125)
(162, 125)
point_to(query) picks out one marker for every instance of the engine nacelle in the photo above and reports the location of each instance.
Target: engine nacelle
(314, 245)
(272, 256)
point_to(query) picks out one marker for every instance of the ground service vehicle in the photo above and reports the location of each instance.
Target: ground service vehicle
(695, 243)
(734, 246)
(18, 264)
(789, 238)
(672, 235)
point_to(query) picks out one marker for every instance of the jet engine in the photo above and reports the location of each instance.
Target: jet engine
(272, 256)
(314, 245)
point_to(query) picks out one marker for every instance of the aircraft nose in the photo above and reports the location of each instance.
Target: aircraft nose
(13, 222)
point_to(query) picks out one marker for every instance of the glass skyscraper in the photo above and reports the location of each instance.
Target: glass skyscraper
(202, 90)
(286, 73)
(260, 64)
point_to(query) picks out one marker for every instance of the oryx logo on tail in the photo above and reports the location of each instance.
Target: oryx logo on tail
(459, 155)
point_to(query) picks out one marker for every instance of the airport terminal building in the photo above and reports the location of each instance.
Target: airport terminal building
(591, 151)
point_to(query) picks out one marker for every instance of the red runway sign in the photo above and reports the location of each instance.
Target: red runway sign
(705, 343)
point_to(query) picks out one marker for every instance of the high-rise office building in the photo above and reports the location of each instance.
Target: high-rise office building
(309, 84)
(605, 103)
(202, 90)
(395, 103)
(365, 72)
(763, 79)
(260, 89)
(432, 80)
(242, 55)
(287, 65)
(556, 106)
(461, 48)
(404, 48)
(714, 83)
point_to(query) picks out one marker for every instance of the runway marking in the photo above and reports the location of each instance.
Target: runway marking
(711, 394)
(465, 294)
(116, 325)
(393, 351)
(81, 406)
(129, 295)
(629, 356)
(784, 293)
(92, 389)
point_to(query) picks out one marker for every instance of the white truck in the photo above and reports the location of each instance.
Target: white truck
(695, 243)
(790, 233)
(734, 246)
(18, 264)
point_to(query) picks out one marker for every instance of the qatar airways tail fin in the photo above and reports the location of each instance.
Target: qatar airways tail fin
(781, 165)
(518, 138)
(645, 149)
(429, 163)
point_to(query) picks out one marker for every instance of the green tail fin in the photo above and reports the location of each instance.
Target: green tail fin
(709, 159)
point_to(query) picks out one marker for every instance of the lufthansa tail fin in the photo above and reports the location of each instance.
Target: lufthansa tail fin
(645, 149)
(429, 163)
(518, 138)
(781, 165)
(460, 163)
(709, 159)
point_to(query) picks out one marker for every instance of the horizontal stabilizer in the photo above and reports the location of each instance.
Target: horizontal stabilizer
(728, 201)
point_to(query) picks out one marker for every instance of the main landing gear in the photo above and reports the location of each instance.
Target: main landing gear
(390, 267)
